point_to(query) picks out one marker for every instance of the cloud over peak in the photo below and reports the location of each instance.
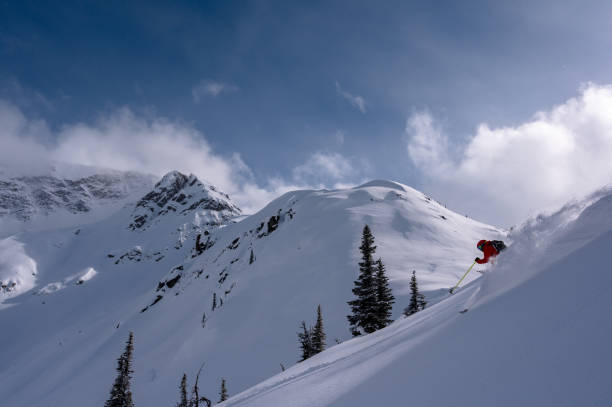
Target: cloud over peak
(122, 140)
(321, 166)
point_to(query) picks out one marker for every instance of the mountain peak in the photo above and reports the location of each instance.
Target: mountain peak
(384, 184)
(173, 180)
(183, 195)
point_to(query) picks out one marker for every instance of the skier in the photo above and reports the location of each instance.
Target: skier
(490, 248)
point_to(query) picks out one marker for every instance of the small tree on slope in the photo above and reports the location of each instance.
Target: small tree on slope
(183, 391)
(223, 392)
(318, 334)
(384, 296)
(417, 300)
(121, 395)
(305, 339)
(364, 306)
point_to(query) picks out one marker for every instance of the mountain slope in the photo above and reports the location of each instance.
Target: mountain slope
(537, 333)
(160, 280)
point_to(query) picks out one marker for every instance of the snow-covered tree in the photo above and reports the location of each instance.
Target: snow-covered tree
(252, 257)
(223, 392)
(364, 306)
(121, 395)
(318, 334)
(417, 300)
(384, 296)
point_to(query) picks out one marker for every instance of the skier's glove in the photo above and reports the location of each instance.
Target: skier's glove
(477, 258)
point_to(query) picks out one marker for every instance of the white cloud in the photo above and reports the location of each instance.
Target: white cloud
(210, 88)
(319, 166)
(125, 141)
(19, 138)
(428, 148)
(506, 174)
(355, 100)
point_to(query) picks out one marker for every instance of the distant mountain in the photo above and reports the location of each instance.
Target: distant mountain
(176, 208)
(197, 283)
(49, 199)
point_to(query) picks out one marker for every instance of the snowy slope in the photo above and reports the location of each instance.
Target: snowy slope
(159, 280)
(537, 333)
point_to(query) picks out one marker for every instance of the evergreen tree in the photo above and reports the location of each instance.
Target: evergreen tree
(417, 300)
(305, 338)
(223, 393)
(214, 302)
(318, 334)
(183, 391)
(120, 395)
(364, 306)
(384, 296)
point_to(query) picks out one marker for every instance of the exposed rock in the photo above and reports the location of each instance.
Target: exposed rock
(180, 194)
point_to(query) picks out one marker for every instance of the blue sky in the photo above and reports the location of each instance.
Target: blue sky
(305, 93)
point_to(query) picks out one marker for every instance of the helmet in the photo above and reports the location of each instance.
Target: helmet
(481, 244)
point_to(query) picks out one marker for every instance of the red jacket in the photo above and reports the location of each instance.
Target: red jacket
(488, 250)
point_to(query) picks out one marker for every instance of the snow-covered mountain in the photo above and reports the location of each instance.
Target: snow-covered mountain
(51, 200)
(537, 333)
(198, 283)
(184, 195)
(178, 206)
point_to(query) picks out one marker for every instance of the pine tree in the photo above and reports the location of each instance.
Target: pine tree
(183, 391)
(384, 296)
(223, 393)
(305, 338)
(120, 395)
(417, 300)
(318, 334)
(214, 303)
(364, 306)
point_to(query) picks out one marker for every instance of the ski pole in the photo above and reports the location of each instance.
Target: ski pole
(461, 279)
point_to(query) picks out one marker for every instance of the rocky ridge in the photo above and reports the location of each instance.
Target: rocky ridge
(26, 197)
